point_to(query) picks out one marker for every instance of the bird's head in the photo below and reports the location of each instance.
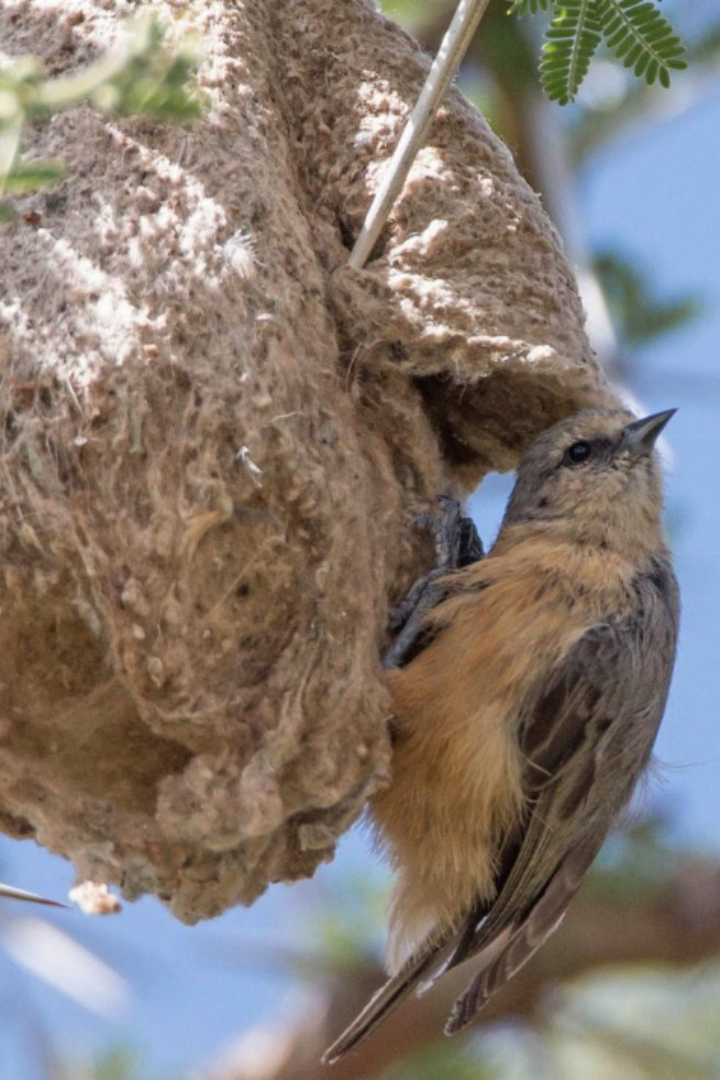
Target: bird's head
(595, 478)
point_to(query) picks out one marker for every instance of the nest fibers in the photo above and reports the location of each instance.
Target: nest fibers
(214, 436)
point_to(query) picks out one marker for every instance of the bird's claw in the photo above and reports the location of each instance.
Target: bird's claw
(457, 544)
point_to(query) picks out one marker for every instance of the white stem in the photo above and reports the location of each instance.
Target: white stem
(464, 24)
(10, 893)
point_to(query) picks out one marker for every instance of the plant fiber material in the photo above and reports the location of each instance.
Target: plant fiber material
(214, 436)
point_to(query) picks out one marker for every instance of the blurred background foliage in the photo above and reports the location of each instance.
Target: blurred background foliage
(630, 988)
(140, 75)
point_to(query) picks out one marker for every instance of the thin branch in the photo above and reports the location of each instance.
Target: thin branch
(444, 68)
(9, 892)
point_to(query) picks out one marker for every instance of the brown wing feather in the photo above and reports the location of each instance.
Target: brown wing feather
(550, 741)
(544, 918)
(593, 721)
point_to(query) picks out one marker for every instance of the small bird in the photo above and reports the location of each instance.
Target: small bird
(525, 703)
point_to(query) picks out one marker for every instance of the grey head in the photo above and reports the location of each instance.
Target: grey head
(596, 474)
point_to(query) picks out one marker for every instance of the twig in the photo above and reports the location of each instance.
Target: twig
(9, 892)
(464, 24)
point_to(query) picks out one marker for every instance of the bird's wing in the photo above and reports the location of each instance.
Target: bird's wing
(586, 740)
(519, 861)
(562, 739)
(544, 917)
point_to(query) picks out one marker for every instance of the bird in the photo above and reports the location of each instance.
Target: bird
(526, 696)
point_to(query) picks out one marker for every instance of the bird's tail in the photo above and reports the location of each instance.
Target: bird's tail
(385, 1000)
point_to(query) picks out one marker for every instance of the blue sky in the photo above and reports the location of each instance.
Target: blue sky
(657, 197)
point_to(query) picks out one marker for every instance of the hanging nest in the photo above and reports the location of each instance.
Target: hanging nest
(215, 436)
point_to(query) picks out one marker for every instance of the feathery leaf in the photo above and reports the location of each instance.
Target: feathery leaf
(636, 32)
(572, 38)
(529, 7)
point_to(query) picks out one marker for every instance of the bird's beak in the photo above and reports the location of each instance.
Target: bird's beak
(640, 436)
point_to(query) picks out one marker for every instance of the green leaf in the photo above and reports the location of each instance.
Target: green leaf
(28, 176)
(529, 7)
(139, 75)
(636, 32)
(572, 39)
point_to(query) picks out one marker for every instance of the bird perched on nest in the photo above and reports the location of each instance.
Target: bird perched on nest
(527, 690)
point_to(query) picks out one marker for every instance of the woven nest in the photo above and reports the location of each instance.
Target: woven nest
(214, 436)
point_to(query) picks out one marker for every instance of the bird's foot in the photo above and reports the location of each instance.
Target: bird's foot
(457, 544)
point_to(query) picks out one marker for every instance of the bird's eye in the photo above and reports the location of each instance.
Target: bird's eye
(578, 453)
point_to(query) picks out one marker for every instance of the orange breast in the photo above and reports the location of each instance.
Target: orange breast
(457, 772)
